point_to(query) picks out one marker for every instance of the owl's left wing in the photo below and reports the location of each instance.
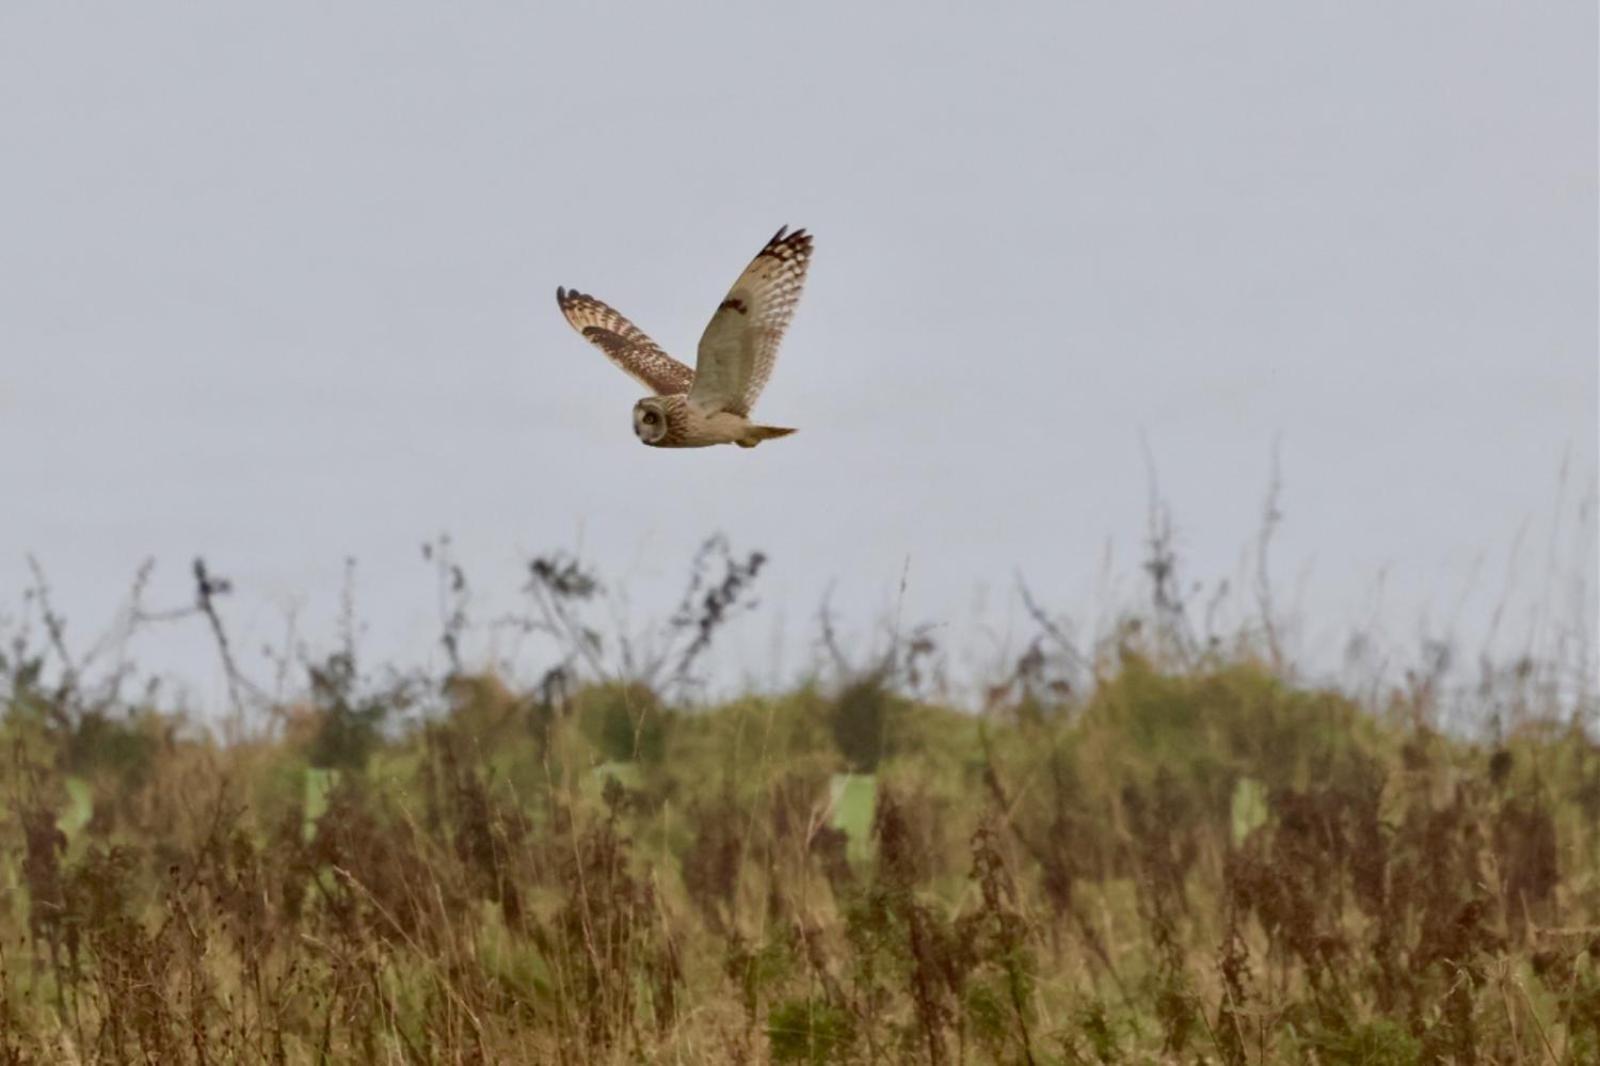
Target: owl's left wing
(624, 343)
(740, 345)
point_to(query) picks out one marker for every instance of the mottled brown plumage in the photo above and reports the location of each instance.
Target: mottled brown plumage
(711, 403)
(624, 343)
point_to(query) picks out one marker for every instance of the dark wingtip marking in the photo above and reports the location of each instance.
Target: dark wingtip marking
(799, 241)
(734, 303)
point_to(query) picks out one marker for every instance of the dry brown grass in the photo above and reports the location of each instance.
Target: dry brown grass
(1174, 855)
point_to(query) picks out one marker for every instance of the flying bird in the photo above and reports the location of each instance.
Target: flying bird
(711, 403)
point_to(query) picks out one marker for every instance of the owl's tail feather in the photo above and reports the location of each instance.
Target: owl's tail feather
(756, 434)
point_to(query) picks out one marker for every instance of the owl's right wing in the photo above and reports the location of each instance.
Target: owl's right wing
(625, 344)
(740, 345)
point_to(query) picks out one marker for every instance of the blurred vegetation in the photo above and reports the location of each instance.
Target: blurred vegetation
(1147, 852)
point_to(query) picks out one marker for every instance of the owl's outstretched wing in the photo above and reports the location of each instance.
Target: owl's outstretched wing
(740, 345)
(624, 344)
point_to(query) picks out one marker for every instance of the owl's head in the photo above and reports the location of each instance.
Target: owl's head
(650, 420)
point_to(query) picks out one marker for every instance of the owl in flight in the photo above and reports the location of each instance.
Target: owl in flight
(711, 403)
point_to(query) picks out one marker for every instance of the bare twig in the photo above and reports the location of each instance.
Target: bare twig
(207, 587)
(1271, 516)
(55, 628)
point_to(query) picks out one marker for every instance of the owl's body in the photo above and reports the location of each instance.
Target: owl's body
(711, 403)
(676, 421)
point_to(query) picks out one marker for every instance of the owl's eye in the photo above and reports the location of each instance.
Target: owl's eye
(649, 418)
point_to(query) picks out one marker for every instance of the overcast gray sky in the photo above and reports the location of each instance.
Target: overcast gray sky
(276, 287)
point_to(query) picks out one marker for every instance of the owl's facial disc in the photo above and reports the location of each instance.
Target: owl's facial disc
(649, 421)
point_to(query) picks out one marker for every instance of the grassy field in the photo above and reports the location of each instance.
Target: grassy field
(1176, 858)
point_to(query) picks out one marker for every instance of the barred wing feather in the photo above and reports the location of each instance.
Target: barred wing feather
(740, 345)
(625, 344)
